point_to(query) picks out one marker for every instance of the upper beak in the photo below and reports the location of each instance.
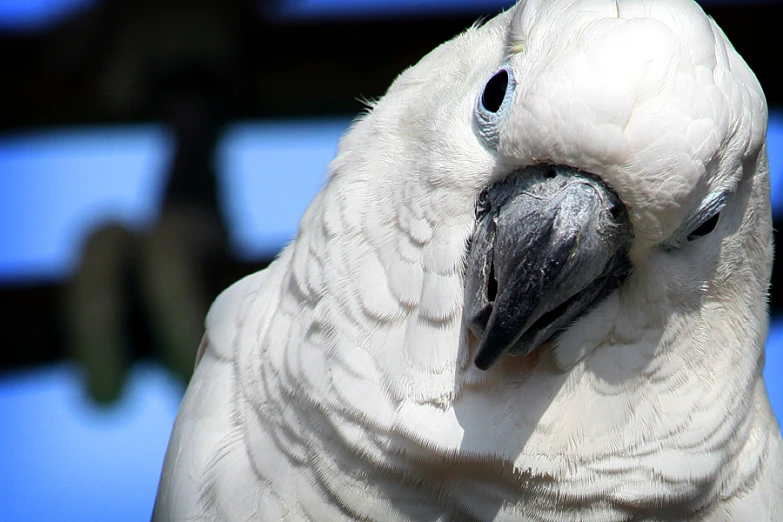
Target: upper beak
(550, 243)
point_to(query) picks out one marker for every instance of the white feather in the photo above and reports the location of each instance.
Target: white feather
(338, 383)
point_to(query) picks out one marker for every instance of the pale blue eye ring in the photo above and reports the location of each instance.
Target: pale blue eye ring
(494, 103)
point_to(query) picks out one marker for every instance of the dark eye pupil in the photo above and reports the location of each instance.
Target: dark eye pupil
(495, 91)
(705, 228)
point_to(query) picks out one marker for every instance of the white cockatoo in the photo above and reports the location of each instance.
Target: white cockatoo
(533, 288)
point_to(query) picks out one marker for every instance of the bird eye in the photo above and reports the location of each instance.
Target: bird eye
(705, 228)
(701, 222)
(495, 91)
(492, 104)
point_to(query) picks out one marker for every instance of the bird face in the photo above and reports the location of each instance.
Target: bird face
(622, 144)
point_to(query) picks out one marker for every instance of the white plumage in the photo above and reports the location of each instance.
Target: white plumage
(339, 383)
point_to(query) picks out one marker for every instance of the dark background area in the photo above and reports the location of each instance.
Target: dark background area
(105, 65)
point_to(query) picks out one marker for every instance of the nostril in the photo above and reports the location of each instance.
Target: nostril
(616, 211)
(482, 204)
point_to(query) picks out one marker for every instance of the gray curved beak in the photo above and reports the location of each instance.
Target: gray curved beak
(551, 242)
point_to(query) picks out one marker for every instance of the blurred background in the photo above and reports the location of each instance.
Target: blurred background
(154, 151)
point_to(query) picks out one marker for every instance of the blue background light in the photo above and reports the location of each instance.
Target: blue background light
(270, 172)
(56, 186)
(323, 9)
(326, 9)
(35, 15)
(775, 153)
(65, 458)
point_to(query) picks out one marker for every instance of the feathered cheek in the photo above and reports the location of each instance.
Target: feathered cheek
(656, 208)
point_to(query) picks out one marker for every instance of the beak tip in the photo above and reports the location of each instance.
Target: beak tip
(484, 360)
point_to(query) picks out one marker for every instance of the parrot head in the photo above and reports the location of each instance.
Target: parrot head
(581, 148)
